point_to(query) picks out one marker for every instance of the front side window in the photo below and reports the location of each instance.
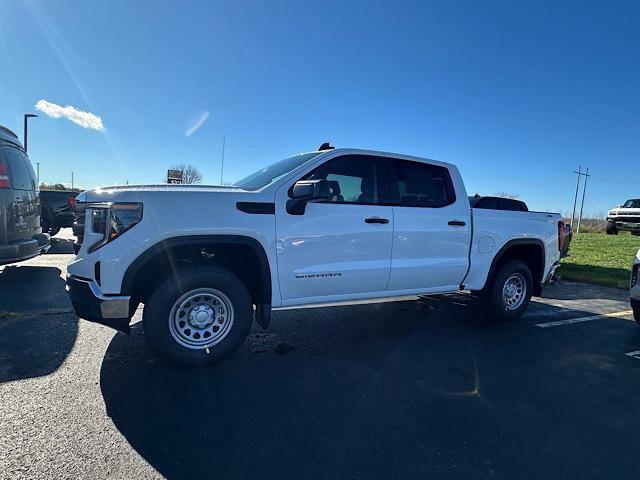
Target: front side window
(352, 179)
(632, 203)
(418, 184)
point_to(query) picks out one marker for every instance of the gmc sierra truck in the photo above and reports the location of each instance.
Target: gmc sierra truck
(325, 226)
(56, 210)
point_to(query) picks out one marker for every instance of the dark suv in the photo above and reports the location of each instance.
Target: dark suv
(20, 232)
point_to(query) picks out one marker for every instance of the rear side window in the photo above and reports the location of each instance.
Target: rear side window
(19, 170)
(417, 184)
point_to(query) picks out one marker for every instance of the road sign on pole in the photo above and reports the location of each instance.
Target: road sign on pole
(174, 176)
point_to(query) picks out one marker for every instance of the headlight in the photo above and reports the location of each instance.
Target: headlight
(112, 220)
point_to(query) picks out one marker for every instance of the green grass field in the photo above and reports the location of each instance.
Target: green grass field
(601, 259)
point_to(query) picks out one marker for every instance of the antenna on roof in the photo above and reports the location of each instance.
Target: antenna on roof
(325, 146)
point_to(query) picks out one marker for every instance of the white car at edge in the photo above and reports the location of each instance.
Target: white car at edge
(325, 226)
(635, 288)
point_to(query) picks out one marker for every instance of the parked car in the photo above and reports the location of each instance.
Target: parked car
(20, 234)
(325, 226)
(498, 203)
(56, 210)
(635, 288)
(625, 217)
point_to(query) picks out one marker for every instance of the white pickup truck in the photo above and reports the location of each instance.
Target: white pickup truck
(326, 226)
(625, 217)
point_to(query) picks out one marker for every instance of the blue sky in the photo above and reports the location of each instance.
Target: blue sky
(517, 94)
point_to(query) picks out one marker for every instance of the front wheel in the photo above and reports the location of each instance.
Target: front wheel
(636, 312)
(611, 228)
(510, 291)
(198, 317)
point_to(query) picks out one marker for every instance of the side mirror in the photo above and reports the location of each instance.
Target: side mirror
(304, 191)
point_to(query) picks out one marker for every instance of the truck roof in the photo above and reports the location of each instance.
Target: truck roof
(8, 136)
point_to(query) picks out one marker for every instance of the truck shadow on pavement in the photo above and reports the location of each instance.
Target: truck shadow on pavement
(411, 389)
(37, 325)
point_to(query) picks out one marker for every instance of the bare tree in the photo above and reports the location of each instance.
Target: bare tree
(190, 174)
(507, 195)
(56, 186)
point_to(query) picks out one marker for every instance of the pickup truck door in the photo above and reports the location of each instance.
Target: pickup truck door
(432, 227)
(339, 248)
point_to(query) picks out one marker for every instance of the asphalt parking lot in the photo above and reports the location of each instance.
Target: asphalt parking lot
(403, 389)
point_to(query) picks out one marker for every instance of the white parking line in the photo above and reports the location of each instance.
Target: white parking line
(635, 354)
(584, 319)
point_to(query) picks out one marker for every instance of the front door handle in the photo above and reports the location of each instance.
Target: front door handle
(457, 223)
(376, 220)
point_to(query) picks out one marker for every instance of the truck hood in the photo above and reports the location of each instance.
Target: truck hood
(130, 193)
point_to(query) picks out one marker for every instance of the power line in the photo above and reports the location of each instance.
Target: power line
(584, 191)
(575, 198)
(579, 175)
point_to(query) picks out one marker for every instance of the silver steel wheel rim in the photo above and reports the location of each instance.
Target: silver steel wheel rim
(514, 291)
(201, 318)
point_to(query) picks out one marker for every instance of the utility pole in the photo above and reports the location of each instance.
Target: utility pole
(26, 125)
(37, 173)
(584, 191)
(224, 141)
(71, 180)
(575, 198)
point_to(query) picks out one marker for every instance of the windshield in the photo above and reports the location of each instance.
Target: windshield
(271, 173)
(632, 203)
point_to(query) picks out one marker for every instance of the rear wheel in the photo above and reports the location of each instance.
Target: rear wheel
(636, 311)
(510, 291)
(611, 228)
(198, 317)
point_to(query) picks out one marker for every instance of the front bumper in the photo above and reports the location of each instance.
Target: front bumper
(552, 272)
(114, 311)
(626, 223)
(635, 283)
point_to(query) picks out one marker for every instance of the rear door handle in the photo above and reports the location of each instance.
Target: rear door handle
(457, 223)
(376, 220)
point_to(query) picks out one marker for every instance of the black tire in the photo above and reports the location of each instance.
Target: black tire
(493, 296)
(157, 316)
(636, 313)
(611, 228)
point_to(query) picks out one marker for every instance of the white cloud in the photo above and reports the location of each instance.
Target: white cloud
(84, 119)
(196, 122)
